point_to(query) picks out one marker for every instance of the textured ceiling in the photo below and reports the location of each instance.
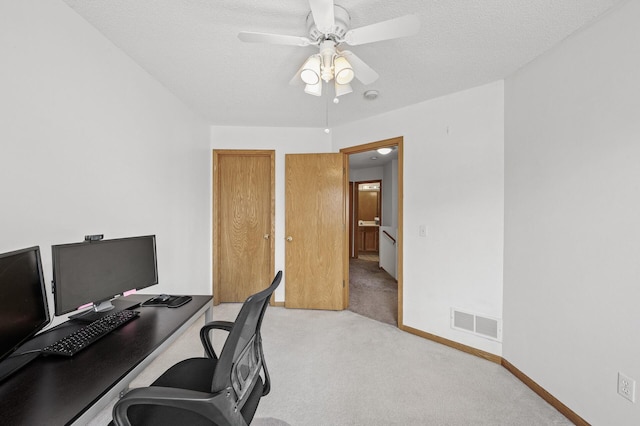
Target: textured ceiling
(192, 48)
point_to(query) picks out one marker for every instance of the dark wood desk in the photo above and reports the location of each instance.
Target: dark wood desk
(58, 390)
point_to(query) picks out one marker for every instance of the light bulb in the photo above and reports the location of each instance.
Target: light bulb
(327, 130)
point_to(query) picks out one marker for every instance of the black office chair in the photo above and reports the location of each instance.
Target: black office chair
(212, 390)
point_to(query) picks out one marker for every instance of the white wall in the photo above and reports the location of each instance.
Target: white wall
(390, 195)
(283, 141)
(370, 173)
(90, 143)
(453, 184)
(572, 218)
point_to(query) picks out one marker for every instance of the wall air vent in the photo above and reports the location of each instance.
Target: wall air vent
(480, 325)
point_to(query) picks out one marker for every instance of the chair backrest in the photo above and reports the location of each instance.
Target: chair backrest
(241, 357)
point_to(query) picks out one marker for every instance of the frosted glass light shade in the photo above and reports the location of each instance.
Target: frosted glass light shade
(384, 151)
(342, 89)
(314, 89)
(310, 73)
(343, 71)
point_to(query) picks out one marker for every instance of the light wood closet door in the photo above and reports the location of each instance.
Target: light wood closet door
(243, 207)
(314, 231)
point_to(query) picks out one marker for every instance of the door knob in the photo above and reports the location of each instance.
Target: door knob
(289, 238)
(266, 236)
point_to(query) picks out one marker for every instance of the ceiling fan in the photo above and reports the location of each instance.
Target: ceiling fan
(329, 27)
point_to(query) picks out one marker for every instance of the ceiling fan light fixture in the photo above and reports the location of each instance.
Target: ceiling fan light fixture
(343, 71)
(329, 26)
(327, 52)
(314, 89)
(342, 89)
(310, 73)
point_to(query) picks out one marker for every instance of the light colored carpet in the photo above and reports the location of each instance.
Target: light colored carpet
(340, 368)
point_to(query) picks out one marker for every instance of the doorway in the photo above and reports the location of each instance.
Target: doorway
(389, 230)
(366, 219)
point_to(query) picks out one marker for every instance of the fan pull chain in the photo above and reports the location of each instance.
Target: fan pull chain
(326, 128)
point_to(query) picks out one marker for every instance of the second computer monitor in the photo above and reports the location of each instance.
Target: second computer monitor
(94, 272)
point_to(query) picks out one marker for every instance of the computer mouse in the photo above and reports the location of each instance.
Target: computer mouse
(163, 297)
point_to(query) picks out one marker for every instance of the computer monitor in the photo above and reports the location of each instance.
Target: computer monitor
(23, 304)
(94, 272)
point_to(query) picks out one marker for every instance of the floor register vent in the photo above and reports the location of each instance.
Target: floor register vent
(483, 326)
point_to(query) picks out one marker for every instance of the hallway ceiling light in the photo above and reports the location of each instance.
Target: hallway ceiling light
(384, 151)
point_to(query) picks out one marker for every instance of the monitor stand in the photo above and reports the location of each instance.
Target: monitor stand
(104, 308)
(15, 363)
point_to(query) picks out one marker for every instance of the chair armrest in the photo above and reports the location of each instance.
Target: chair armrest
(219, 407)
(266, 386)
(206, 340)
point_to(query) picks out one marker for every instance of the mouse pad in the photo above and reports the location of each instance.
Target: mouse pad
(171, 302)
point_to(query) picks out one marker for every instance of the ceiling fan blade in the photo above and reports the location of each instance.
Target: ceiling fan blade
(393, 28)
(296, 80)
(363, 72)
(322, 11)
(251, 37)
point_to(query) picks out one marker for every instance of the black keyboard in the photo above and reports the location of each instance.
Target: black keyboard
(83, 337)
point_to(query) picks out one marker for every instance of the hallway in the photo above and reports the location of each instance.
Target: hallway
(373, 293)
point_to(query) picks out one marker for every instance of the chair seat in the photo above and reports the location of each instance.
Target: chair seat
(193, 374)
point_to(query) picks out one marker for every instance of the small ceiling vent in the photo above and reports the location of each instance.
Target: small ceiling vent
(371, 95)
